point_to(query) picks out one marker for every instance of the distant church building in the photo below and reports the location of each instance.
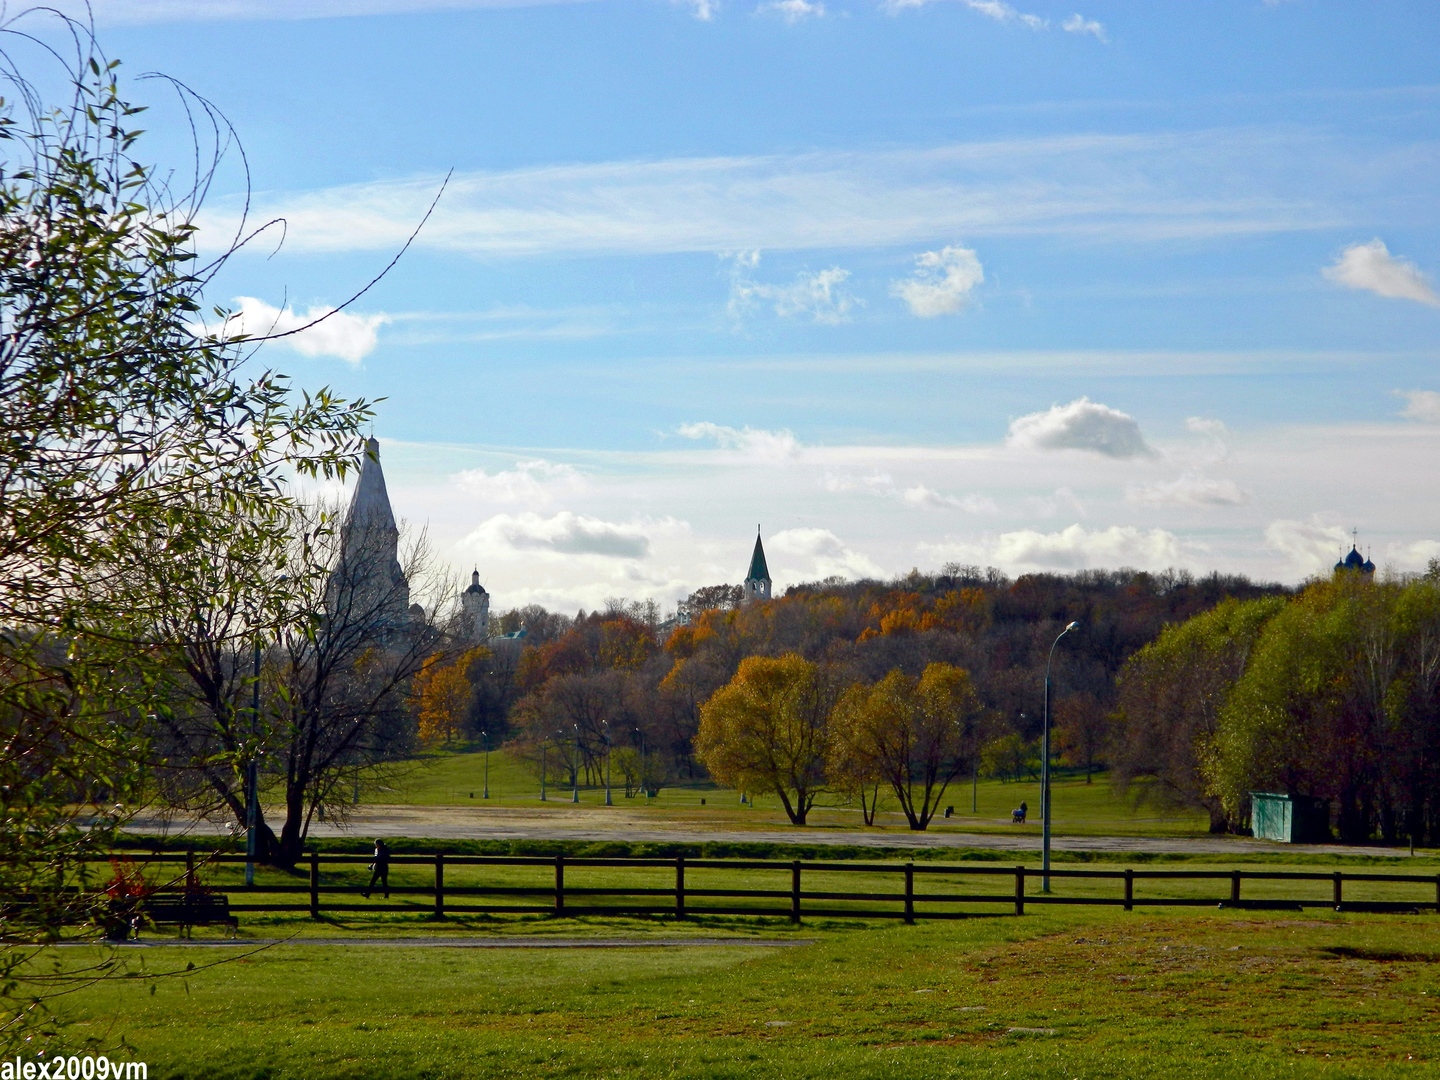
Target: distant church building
(1355, 561)
(367, 589)
(475, 611)
(757, 581)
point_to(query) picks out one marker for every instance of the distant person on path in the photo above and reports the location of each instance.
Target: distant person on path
(1017, 817)
(379, 870)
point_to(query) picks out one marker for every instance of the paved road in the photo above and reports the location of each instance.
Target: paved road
(587, 824)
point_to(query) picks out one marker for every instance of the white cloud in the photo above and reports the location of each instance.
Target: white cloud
(1077, 547)
(1002, 12)
(1371, 267)
(824, 552)
(1412, 556)
(343, 335)
(1310, 547)
(1078, 24)
(1191, 489)
(530, 483)
(756, 443)
(1081, 425)
(819, 295)
(564, 534)
(704, 10)
(1115, 187)
(923, 497)
(793, 11)
(917, 495)
(1073, 548)
(1422, 405)
(942, 282)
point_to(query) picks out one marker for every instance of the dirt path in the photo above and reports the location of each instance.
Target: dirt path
(588, 824)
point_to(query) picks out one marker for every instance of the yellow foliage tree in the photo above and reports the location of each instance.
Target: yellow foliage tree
(765, 730)
(442, 692)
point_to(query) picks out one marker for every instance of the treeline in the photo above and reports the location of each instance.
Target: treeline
(619, 681)
(1332, 693)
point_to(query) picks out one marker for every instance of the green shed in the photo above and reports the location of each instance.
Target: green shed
(1291, 819)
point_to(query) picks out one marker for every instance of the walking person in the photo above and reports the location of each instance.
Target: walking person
(379, 870)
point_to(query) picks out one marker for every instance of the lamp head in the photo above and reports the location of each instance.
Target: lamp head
(1072, 626)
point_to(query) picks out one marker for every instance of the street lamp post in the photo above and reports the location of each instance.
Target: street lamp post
(608, 802)
(1045, 769)
(485, 740)
(544, 752)
(575, 768)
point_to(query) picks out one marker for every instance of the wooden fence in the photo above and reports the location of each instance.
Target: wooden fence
(954, 890)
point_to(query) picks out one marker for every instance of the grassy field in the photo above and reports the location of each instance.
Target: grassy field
(450, 779)
(1062, 993)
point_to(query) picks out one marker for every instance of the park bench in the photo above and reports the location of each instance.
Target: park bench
(187, 910)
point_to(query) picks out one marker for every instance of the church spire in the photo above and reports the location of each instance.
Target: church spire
(757, 581)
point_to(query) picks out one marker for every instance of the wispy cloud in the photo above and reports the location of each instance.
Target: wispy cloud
(1100, 187)
(915, 495)
(565, 534)
(1081, 425)
(756, 443)
(1371, 268)
(1078, 24)
(942, 282)
(1422, 405)
(1310, 547)
(341, 334)
(820, 295)
(793, 11)
(819, 553)
(529, 483)
(1191, 489)
(1002, 12)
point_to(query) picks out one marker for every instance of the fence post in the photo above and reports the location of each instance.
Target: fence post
(909, 893)
(1437, 892)
(559, 884)
(795, 891)
(679, 886)
(439, 885)
(1235, 887)
(189, 870)
(1019, 890)
(1337, 890)
(314, 884)
(1129, 890)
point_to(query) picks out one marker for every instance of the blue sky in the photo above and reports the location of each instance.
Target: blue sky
(1035, 285)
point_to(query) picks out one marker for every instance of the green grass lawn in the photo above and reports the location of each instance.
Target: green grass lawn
(451, 779)
(1062, 993)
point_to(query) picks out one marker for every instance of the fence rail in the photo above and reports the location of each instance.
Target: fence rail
(731, 887)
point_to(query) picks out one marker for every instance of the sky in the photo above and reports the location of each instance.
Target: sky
(1043, 286)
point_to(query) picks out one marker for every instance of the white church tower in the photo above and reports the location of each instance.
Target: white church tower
(475, 610)
(757, 581)
(367, 589)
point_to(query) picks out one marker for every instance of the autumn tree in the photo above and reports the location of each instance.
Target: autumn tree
(442, 693)
(916, 735)
(767, 730)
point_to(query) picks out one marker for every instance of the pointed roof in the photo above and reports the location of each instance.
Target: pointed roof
(475, 586)
(758, 570)
(371, 505)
